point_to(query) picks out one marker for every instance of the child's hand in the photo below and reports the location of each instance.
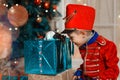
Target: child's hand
(77, 75)
(77, 78)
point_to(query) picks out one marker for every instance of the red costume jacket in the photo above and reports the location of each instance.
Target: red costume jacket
(100, 60)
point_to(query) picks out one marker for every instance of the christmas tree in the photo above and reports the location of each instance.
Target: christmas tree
(31, 26)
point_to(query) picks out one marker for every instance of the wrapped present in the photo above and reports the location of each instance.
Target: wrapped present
(65, 75)
(14, 78)
(23, 77)
(47, 56)
(9, 78)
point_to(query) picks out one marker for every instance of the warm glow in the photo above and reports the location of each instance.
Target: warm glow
(6, 5)
(12, 10)
(46, 11)
(54, 10)
(85, 4)
(16, 4)
(78, 0)
(10, 29)
(16, 28)
(118, 16)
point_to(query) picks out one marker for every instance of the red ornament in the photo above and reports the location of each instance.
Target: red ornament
(40, 37)
(46, 5)
(55, 7)
(37, 2)
(17, 15)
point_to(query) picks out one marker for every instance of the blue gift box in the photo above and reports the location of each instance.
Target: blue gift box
(47, 56)
(9, 78)
(23, 77)
(14, 77)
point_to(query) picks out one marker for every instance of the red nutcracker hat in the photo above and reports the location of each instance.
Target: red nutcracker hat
(79, 17)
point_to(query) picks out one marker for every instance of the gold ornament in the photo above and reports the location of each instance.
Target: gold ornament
(39, 19)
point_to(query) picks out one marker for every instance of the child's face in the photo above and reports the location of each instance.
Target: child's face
(78, 38)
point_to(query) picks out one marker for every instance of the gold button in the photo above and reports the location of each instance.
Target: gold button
(98, 47)
(97, 59)
(98, 70)
(97, 64)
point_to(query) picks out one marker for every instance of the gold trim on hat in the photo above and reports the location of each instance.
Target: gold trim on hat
(69, 17)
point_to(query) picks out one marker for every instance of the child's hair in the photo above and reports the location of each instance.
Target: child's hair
(89, 32)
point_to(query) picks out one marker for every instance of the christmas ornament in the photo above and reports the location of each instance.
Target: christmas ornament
(46, 5)
(40, 37)
(17, 15)
(37, 2)
(39, 19)
(5, 42)
(3, 10)
(55, 7)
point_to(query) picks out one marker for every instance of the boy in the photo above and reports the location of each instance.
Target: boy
(98, 53)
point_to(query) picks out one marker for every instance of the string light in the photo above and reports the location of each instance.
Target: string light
(46, 11)
(54, 10)
(16, 4)
(16, 28)
(78, 0)
(39, 19)
(39, 6)
(6, 5)
(10, 29)
(38, 16)
(119, 16)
